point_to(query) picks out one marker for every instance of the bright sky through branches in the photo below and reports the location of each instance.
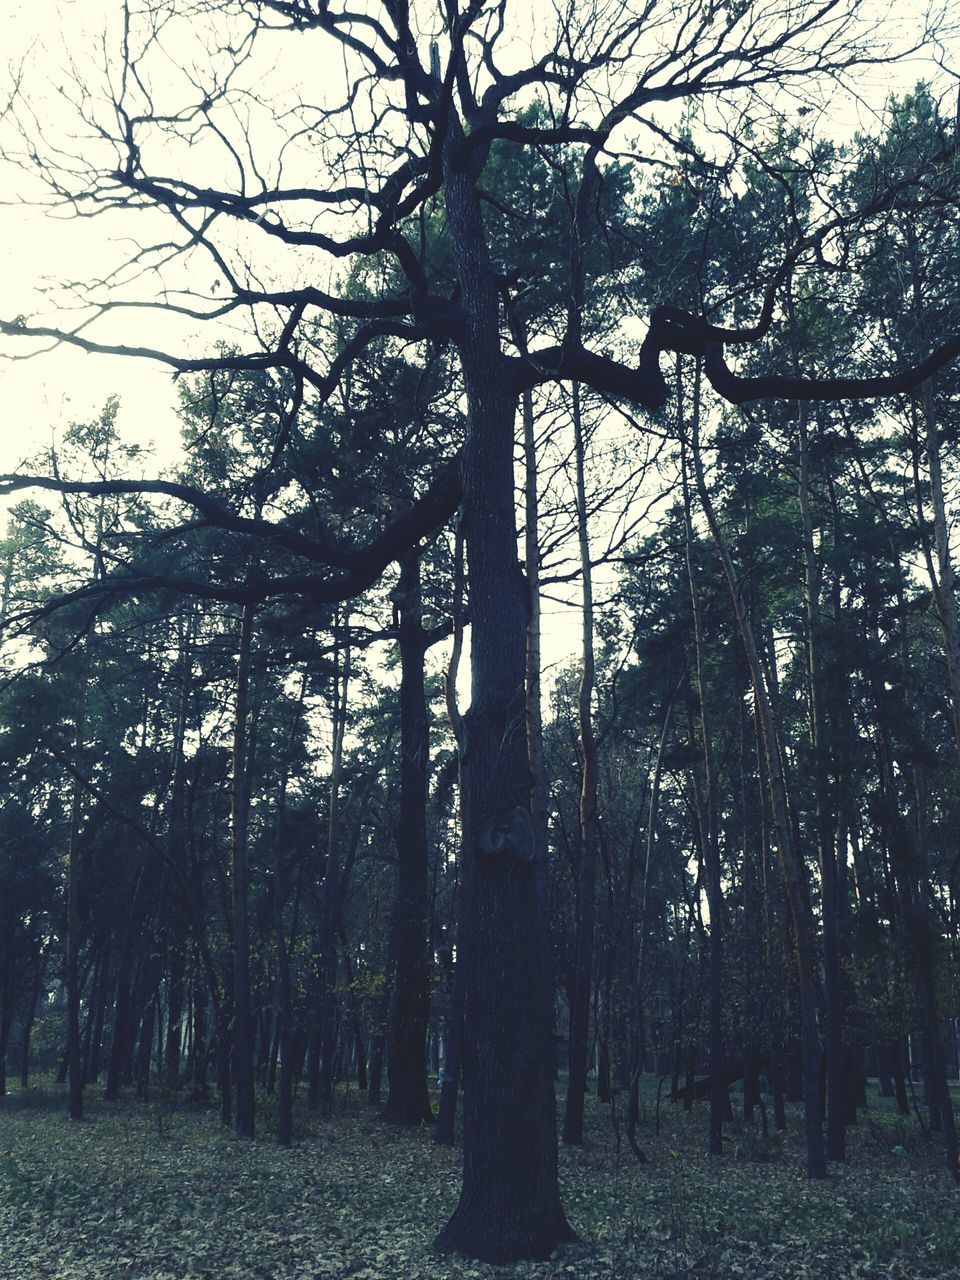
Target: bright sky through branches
(39, 249)
(58, 44)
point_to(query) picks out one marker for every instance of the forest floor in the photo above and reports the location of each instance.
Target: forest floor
(158, 1191)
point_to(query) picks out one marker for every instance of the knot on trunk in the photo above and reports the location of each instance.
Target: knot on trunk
(508, 833)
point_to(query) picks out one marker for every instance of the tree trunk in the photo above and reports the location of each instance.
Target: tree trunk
(239, 806)
(452, 1057)
(509, 1205)
(93, 1037)
(176, 940)
(706, 804)
(7, 994)
(323, 1035)
(912, 881)
(74, 1066)
(790, 867)
(826, 845)
(147, 1024)
(121, 1004)
(539, 787)
(29, 1018)
(453, 1025)
(588, 832)
(407, 1099)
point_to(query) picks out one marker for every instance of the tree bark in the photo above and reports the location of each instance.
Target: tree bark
(74, 1066)
(790, 867)
(243, 1076)
(588, 830)
(323, 1036)
(453, 1025)
(706, 803)
(408, 1101)
(509, 1205)
(825, 834)
(539, 787)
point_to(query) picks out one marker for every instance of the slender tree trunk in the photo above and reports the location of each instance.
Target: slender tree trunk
(912, 880)
(176, 939)
(407, 1099)
(285, 1011)
(706, 801)
(239, 807)
(148, 1022)
(121, 1004)
(943, 578)
(381, 1020)
(200, 1050)
(93, 1037)
(74, 1066)
(453, 1025)
(588, 831)
(826, 846)
(323, 1037)
(919, 934)
(750, 878)
(789, 863)
(539, 787)
(7, 995)
(359, 1051)
(633, 1105)
(29, 1017)
(284, 1047)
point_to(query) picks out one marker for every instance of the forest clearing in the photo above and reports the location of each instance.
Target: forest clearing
(159, 1191)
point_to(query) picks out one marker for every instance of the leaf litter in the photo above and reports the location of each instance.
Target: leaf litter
(159, 1191)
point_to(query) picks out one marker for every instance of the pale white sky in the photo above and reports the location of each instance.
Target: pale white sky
(40, 396)
(43, 394)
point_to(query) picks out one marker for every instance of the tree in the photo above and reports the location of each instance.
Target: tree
(427, 95)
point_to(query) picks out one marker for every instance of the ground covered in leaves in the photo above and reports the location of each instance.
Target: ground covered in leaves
(158, 1191)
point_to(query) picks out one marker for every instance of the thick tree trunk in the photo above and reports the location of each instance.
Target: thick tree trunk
(407, 1099)
(509, 1205)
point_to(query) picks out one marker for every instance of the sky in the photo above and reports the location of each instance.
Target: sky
(40, 396)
